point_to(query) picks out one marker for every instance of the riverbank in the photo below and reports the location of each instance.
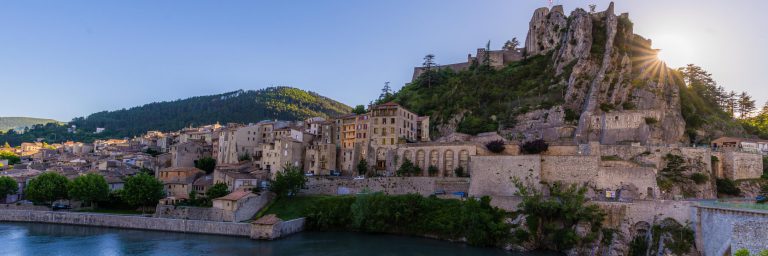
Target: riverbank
(128, 222)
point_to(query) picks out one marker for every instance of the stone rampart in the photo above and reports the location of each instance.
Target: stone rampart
(127, 221)
(750, 235)
(719, 230)
(629, 214)
(640, 182)
(569, 169)
(192, 213)
(740, 165)
(493, 175)
(390, 185)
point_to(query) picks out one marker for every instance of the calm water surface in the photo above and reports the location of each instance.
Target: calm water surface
(47, 239)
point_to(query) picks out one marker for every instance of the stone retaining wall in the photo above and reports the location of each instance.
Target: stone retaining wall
(719, 230)
(390, 185)
(126, 221)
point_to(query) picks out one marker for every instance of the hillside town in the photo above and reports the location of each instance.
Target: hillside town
(624, 160)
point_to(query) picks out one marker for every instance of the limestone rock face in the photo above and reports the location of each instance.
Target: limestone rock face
(616, 87)
(545, 30)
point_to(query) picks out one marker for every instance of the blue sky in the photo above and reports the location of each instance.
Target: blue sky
(63, 59)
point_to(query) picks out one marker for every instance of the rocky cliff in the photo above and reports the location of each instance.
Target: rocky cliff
(615, 84)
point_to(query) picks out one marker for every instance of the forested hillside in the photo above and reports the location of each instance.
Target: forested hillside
(283, 103)
(18, 123)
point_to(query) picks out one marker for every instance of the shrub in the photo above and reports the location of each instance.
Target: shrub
(628, 105)
(571, 116)
(432, 170)
(535, 147)
(289, 181)
(459, 172)
(606, 107)
(741, 252)
(699, 178)
(206, 164)
(610, 158)
(727, 187)
(408, 169)
(362, 167)
(496, 146)
(651, 120)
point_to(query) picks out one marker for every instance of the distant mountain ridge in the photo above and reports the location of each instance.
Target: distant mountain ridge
(18, 123)
(241, 106)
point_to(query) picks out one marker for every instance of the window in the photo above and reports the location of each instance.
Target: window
(392, 120)
(383, 141)
(392, 141)
(383, 121)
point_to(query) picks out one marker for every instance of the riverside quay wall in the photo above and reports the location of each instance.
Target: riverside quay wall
(129, 222)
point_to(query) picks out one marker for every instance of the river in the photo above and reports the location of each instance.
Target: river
(48, 239)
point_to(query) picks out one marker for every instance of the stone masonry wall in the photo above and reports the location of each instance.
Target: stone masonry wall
(569, 169)
(390, 185)
(492, 175)
(192, 213)
(738, 165)
(131, 222)
(642, 178)
(716, 228)
(750, 235)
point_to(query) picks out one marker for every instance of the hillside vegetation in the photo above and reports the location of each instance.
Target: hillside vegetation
(19, 123)
(283, 103)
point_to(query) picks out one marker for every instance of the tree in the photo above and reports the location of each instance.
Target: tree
(10, 156)
(289, 181)
(432, 170)
(89, 188)
(487, 55)
(731, 103)
(362, 167)
(408, 169)
(746, 105)
(359, 109)
(217, 190)
(386, 93)
(459, 171)
(206, 164)
(511, 44)
(142, 190)
(8, 186)
(592, 8)
(47, 187)
(429, 63)
(7, 146)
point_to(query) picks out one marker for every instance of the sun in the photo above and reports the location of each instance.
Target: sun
(674, 49)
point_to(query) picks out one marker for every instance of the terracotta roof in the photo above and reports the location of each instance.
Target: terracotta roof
(391, 103)
(236, 195)
(270, 219)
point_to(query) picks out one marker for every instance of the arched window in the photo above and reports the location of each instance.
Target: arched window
(448, 162)
(464, 159)
(420, 159)
(408, 155)
(433, 158)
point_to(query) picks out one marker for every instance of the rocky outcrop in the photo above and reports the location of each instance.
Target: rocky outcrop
(616, 87)
(545, 30)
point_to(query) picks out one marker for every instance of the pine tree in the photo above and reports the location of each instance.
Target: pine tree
(731, 103)
(746, 105)
(429, 63)
(386, 93)
(511, 44)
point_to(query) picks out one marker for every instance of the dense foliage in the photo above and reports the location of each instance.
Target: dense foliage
(289, 181)
(496, 146)
(19, 123)
(551, 220)
(534, 147)
(142, 190)
(490, 97)
(476, 220)
(727, 187)
(8, 186)
(89, 188)
(47, 187)
(284, 103)
(10, 156)
(678, 239)
(362, 167)
(409, 169)
(216, 191)
(206, 164)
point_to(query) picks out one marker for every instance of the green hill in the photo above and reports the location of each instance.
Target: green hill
(18, 123)
(283, 103)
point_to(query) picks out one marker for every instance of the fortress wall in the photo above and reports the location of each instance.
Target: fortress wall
(739, 165)
(569, 169)
(492, 175)
(629, 214)
(642, 178)
(390, 185)
(625, 152)
(555, 150)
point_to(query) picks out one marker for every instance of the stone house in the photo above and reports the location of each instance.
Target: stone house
(283, 152)
(178, 180)
(202, 184)
(742, 144)
(186, 153)
(233, 201)
(235, 180)
(320, 158)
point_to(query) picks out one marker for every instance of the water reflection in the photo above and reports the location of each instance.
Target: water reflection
(45, 239)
